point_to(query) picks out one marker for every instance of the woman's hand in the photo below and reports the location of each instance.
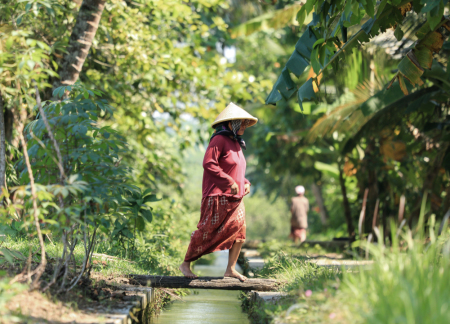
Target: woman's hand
(235, 189)
(246, 189)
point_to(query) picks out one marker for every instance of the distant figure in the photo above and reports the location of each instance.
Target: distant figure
(299, 220)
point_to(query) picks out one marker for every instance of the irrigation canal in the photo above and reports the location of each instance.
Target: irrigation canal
(206, 306)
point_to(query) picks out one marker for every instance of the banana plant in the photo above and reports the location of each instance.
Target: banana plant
(325, 40)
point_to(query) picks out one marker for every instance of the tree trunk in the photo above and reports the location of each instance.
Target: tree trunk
(347, 210)
(8, 119)
(2, 146)
(323, 213)
(224, 283)
(23, 115)
(80, 42)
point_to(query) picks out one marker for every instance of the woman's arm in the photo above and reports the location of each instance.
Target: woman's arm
(211, 164)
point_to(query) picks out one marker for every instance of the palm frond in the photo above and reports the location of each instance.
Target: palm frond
(343, 115)
(274, 19)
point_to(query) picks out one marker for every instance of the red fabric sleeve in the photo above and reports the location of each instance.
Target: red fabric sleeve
(211, 165)
(246, 181)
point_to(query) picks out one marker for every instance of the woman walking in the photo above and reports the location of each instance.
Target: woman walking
(299, 219)
(222, 218)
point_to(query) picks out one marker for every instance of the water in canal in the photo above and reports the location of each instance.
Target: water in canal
(206, 306)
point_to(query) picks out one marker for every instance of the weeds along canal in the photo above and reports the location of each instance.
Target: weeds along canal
(206, 305)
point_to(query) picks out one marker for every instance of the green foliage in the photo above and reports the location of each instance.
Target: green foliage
(361, 122)
(21, 59)
(320, 45)
(405, 284)
(273, 19)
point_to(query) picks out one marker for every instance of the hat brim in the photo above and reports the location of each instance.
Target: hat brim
(253, 121)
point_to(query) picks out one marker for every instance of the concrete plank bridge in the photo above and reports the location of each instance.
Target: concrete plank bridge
(224, 283)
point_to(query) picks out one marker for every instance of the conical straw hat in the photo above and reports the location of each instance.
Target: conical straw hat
(233, 112)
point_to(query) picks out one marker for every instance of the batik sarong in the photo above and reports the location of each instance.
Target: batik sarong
(222, 222)
(298, 233)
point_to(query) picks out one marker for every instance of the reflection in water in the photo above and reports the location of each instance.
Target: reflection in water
(206, 306)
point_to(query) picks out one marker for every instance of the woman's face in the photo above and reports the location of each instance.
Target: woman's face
(241, 130)
(243, 127)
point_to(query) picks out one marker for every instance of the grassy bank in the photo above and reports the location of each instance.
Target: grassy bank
(19, 304)
(159, 249)
(407, 283)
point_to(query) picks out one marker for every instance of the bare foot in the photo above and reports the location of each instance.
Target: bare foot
(185, 268)
(234, 274)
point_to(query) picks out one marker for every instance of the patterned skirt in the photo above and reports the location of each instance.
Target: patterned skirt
(297, 232)
(222, 222)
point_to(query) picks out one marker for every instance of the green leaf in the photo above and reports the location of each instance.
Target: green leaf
(61, 92)
(318, 42)
(305, 43)
(429, 5)
(105, 222)
(369, 6)
(150, 198)
(410, 69)
(10, 255)
(398, 33)
(381, 99)
(146, 192)
(269, 136)
(322, 56)
(286, 86)
(297, 64)
(326, 167)
(434, 16)
(421, 103)
(424, 56)
(315, 61)
(147, 214)
(140, 223)
(7, 255)
(306, 92)
(417, 6)
(127, 233)
(381, 7)
(309, 5)
(301, 15)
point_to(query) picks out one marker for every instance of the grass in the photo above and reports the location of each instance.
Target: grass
(407, 284)
(299, 277)
(271, 248)
(53, 251)
(80, 295)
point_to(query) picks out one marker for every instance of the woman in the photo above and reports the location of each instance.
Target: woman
(222, 219)
(299, 219)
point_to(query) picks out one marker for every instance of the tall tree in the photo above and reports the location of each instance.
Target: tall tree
(80, 42)
(2, 146)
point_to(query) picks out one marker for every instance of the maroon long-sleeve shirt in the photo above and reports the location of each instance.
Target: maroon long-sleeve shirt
(224, 164)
